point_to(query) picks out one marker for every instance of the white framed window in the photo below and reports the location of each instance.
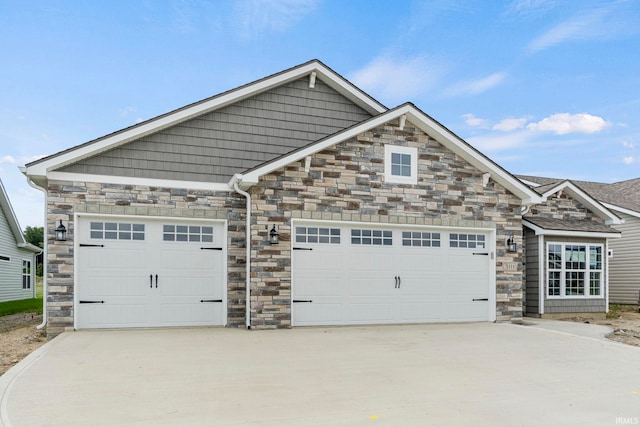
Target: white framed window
(464, 240)
(26, 274)
(401, 164)
(574, 270)
(420, 238)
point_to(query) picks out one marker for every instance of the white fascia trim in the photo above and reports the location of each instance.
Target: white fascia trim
(155, 125)
(427, 125)
(621, 210)
(542, 232)
(150, 182)
(584, 198)
(529, 183)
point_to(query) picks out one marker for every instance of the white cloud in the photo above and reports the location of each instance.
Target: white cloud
(7, 159)
(474, 121)
(529, 7)
(397, 79)
(628, 160)
(475, 87)
(606, 21)
(565, 123)
(127, 110)
(259, 16)
(510, 124)
(628, 144)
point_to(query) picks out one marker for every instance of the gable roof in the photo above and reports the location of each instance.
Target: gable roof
(38, 169)
(563, 227)
(623, 194)
(424, 122)
(9, 214)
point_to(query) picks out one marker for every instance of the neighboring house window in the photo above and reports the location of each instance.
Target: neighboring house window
(5, 258)
(401, 164)
(26, 274)
(574, 270)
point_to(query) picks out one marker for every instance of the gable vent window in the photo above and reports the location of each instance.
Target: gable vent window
(317, 235)
(187, 233)
(371, 237)
(400, 164)
(116, 231)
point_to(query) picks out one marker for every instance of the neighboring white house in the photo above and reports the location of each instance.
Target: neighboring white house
(17, 257)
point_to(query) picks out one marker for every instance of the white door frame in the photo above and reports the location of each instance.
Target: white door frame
(76, 247)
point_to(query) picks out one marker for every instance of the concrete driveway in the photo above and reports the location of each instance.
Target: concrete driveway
(479, 374)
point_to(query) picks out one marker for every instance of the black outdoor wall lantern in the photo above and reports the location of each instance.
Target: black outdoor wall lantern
(61, 232)
(511, 244)
(274, 237)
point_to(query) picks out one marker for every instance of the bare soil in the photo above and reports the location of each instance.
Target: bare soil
(19, 336)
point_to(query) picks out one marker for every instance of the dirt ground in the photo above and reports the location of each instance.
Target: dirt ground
(19, 336)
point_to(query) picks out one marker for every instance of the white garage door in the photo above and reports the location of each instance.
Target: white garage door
(357, 274)
(149, 273)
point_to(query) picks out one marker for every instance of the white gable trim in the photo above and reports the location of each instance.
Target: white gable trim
(328, 76)
(12, 220)
(621, 210)
(150, 182)
(539, 231)
(592, 204)
(426, 124)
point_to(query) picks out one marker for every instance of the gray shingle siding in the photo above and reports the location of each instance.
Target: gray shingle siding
(214, 146)
(624, 276)
(11, 270)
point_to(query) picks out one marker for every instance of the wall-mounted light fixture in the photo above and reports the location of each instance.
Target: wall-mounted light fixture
(511, 244)
(274, 236)
(61, 232)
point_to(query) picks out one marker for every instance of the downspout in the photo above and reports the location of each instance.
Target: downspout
(248, 256)
(44, 257)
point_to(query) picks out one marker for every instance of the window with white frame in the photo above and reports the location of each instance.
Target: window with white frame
(574, 270)
(26, 274)
(401, 164)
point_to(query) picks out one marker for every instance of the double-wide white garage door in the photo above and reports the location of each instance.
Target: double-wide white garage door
(360, 274)
(149, 273)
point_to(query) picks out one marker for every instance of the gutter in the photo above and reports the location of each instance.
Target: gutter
(234, 184)
(44, 258)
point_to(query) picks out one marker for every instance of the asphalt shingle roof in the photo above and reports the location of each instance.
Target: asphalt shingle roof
(570, 225)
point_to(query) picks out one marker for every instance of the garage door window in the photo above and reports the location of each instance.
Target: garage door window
(417, 238)
(371, 237)
(317, 235)
(187, 233)
(116, 230)
(471, 241)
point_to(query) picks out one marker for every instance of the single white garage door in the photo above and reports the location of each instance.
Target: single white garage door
(345, 275)
(149, 273)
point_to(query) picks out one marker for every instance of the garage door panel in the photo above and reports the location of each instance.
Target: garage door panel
(420, 275)
(156, 280)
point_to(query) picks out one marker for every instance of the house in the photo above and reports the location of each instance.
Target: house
(17, 257)
(294, 200)
(623, 199)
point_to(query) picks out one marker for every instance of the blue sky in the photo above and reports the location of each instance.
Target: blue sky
(542, 87)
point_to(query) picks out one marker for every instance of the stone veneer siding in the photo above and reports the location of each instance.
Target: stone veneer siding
(563, 207)
(67, 198)
(346, 183)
